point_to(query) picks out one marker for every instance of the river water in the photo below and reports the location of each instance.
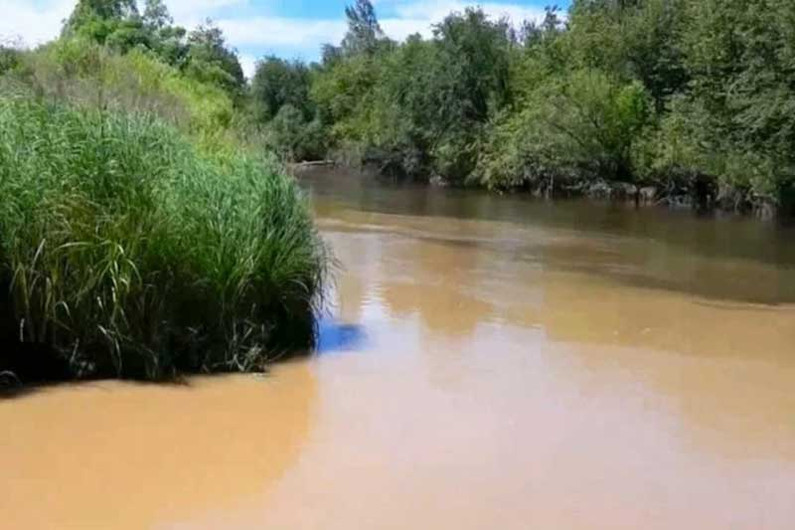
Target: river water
(486, 362)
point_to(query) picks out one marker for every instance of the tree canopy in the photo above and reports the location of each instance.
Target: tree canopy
(118, 24)
(693, 97)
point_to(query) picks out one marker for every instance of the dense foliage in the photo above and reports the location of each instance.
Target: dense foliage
(693, 100)
(133, 254)
(201, 54)
(145, 228)
(694, 97)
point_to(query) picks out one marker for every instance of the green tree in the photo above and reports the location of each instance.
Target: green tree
(532, 33)
(421, 107)
(739, 55)
(577, 127)
(210, 60)
(364, 32)
(470, 83)
(9, 59)
(635, 39)
(156, 15)
(277, 83)
(473, 53)
(104, 9)
(294, 137)
(166, 40)
(116, 23)
(696, 96)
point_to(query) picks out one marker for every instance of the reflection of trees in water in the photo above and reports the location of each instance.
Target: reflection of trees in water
(644, 263)
(579, 309)
(441, 308)
(437, 280)
(351, 295)
(442, 276)
(705, 237)
(434, 280)
(727, 371)
(122, 456)
(359, 256)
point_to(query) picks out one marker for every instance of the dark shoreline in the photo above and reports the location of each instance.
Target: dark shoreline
(702, 197)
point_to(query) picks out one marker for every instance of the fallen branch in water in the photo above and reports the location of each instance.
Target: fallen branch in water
(315, 163)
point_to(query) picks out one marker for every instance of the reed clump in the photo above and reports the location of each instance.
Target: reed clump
(126, 250)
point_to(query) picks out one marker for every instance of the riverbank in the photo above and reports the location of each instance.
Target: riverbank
(701, 195)
(607, 97)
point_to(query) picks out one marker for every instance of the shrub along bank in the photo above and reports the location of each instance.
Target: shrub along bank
(692, 99)
(127, 251)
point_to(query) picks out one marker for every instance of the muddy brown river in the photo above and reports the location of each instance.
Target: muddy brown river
(486, 362)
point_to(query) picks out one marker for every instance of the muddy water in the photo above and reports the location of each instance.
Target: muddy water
(489, 362)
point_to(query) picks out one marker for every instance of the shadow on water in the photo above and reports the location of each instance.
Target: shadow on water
(12, 386)
(336, 337)
(717, 257)
(708, 235)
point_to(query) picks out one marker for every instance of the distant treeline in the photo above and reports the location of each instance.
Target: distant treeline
(693, 100)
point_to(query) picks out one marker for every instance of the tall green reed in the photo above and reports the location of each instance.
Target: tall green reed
(131, 253)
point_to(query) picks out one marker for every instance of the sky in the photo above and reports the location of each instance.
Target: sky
(292, 29)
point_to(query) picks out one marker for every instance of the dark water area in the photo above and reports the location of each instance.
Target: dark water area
(717, 255)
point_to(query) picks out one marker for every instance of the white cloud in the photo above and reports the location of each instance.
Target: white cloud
(36, 21)
(409, 17)
(191, 13)
(281, 32)
(197, 9)
(400, 28)
(248, 63)
(436, 11)
(32, 23)
(406, 19)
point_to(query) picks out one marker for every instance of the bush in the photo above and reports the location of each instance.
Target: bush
(579, 126)
(693, 153)
(85, 73)
(277, 83)
(9, 59)
(294, 138)
(130, 253)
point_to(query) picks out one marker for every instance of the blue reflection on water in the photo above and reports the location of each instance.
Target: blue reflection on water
(336, 337)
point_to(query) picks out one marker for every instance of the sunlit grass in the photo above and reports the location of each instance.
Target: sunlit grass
(131, 253)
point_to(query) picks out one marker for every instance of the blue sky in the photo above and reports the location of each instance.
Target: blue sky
(287, 28)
